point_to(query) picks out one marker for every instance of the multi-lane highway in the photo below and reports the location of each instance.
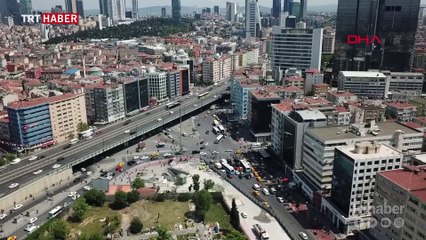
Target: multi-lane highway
(111, 137)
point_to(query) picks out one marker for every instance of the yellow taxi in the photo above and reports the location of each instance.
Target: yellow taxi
(266, 204)
(256, 193)
(12, 238)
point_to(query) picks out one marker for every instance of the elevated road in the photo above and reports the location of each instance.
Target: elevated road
(110, 138)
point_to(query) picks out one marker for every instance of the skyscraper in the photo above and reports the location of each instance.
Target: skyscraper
(135, 9)
(287, 6)
(26, 6)
(295, 10)
(252, 16)
(103, 7)
(80, 8)
(393, 22)
(231, 11)
(276, 8)
(71, 6)
(216, 10)
(303, 8)
(11, 8)
(176, 14)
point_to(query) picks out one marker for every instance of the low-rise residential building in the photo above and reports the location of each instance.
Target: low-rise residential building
(294, 81)
(352, 193)
(292, 92)
(401, 111)
(312, 76)
(157, 82)
(320, 89)
(365, 112)
(216, 69)
(364, 84)
(341, 97)
(405, 82)
(400, 199)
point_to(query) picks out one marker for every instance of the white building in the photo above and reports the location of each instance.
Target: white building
(352, 193)
(296, 48)
(217, 69)
(232, 12)
(277, 125)
(135, 9)
(364, 83)
(252, 16)
(157, 82)
(319, 145)
(117, 9)
(313, 76)
(408, 82)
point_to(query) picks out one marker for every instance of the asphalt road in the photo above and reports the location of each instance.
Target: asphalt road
(23, 172)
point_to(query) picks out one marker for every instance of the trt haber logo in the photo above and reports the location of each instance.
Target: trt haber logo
(357, 39)
(51, 18)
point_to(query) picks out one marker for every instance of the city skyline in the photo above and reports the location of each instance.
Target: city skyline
(94, 4)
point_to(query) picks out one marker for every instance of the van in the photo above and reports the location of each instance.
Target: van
(256, 187)
(265, 191)
(74, 141)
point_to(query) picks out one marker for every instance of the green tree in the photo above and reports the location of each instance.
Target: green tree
(120, 200)
(59, 230)
(161, 197)
(196, 182)
(202, 200)
(138, 183)
(234, 215)
(92, 236)
(184, 197)
(95, 197)
(163, 234)
(235, 235)
(82, 127)
(136, 225)
(133, 196)
(79, 209)
(208, 184)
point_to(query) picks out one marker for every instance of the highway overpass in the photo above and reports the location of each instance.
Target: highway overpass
(111, 137)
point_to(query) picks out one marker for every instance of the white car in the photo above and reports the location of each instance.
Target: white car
(215, 152)
(15, 161)
(17, 207)
(244, 215)
(56, 166)
(280, 199)
(38, 172)
(87, 188)
(171, 112)
(13, 185)
(127, 131)
(89, 173)
(160, 119)
(135, 157)
(195, 105)
(75, 197)
(203, 153)
(71, 194)
(82, 169)
(144, 157)
(3, 216)
(32, 220)
(170, 136)
(303, 235)
(167, 154)
(32, 158)
(31, 228)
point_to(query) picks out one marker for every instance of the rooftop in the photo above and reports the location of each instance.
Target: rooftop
(311, 114)
(420, 119)
(40, 101)
(264, 95)
(400, 105)
(383, 151)
(333, 133)
(364, 74)
(411, 178)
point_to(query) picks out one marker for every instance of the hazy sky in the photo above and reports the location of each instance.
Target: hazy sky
(94, 4)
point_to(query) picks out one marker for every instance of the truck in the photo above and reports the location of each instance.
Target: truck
(260, 232)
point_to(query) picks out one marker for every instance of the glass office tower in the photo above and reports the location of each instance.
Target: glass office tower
(394, 22)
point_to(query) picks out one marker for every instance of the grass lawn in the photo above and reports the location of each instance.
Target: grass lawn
(218, 214)
(91, 223)
(171, 212)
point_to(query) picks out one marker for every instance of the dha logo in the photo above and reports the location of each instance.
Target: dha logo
(357, 39)
(51, 18)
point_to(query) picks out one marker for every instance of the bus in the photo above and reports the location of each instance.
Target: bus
(216, 130)
(172, 104)
(246, 166)
(221, 128)
(218, 139)
(54, 212)
(201, 95)
(216, 123)
(228, 168)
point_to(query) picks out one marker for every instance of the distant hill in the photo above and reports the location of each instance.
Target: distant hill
(156, 10)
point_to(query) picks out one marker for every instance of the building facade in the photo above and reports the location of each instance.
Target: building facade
(176, 10)
(232, 12)
(136, 95)
(104, 103)
(296, 48)
(252, 16)
(364, 84)
(157, 85)
(240, 89)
